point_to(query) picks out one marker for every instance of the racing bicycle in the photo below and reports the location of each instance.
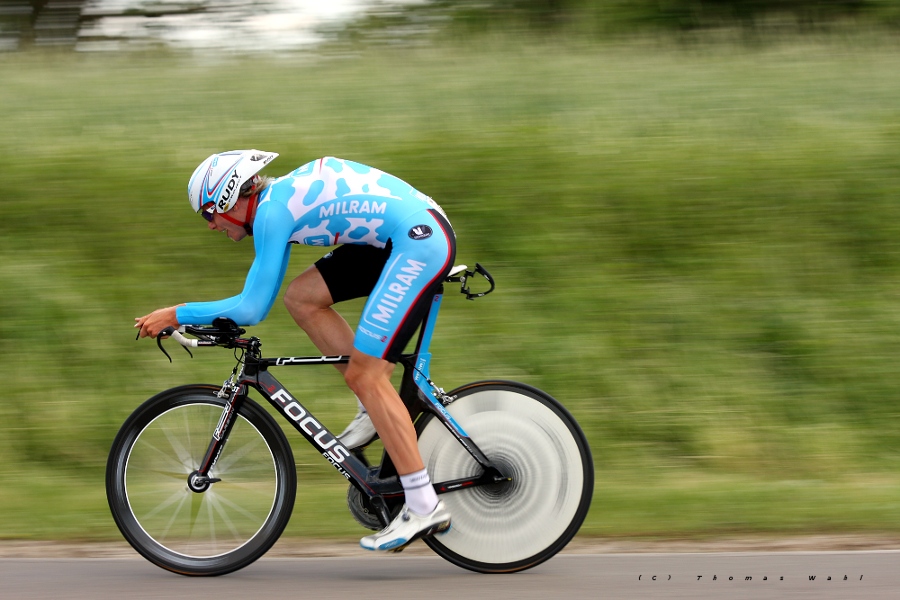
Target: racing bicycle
(201, 479)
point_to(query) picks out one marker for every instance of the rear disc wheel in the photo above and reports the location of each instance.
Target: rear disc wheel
(532, 439)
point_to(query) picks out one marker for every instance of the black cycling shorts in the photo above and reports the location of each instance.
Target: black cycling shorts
(351, 271)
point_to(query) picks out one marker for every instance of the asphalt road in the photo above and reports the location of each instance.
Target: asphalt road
(757, 575)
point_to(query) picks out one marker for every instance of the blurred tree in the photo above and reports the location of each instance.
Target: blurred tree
(25, 23)
(612, 14)
(47, 22)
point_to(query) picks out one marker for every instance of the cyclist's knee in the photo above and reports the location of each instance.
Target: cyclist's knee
(366, 373)
(358, 378)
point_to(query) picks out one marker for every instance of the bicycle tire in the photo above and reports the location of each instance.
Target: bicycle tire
(227, 527)
(533, 439)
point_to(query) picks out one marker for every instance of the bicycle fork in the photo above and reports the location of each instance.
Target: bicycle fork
(199, 480)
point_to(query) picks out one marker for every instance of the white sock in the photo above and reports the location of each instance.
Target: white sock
(420, 495)
(360, 404)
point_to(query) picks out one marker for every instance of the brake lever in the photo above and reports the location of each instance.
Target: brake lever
(167, 332)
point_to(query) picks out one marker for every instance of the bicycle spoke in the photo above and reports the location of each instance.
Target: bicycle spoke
(239, 509)
(186, 468)
(196, 505)
(225, 518)
(177, 496)
(212, 527)
(175, 513)
(234, 455)
(183, 454)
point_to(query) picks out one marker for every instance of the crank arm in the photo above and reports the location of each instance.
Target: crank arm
(489, 477)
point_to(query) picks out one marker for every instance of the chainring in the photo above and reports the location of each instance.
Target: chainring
(362, 510)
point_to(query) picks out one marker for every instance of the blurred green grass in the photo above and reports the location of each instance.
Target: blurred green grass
(696, 249)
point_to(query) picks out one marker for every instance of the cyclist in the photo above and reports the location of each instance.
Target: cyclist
(395, 246)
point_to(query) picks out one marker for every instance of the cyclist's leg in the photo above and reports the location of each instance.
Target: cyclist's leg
(423, 514)
(423, 253)
(348, 272)
(370, 380)
(309, 302)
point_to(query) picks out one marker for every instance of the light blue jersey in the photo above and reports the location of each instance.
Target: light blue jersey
(331, 201)
(336, 201)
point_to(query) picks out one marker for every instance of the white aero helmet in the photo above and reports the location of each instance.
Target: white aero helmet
(220, 177)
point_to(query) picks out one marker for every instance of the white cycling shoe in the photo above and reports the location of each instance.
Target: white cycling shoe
(408, 527)
(360, 432)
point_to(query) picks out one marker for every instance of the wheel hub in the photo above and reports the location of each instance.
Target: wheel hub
(500, 490)
(198, 483)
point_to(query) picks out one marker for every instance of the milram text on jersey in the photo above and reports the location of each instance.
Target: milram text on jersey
(325, 202)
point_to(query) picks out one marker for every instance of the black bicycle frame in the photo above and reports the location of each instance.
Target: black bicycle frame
(379, 484)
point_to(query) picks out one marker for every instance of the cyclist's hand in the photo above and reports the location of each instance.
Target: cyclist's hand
(150, 325)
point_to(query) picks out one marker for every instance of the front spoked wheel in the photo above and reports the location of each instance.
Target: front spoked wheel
(227, 525)
(532, 439)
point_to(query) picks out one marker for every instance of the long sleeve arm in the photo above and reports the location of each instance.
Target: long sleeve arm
(272, 229)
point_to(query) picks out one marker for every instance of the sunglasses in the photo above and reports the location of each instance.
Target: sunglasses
(208, 211)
